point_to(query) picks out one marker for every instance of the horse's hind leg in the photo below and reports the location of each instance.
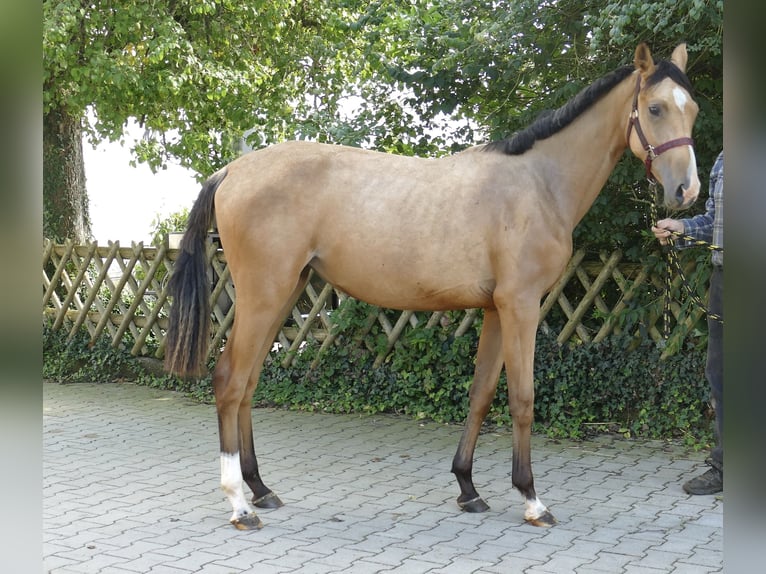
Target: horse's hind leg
(489, 362)
(230, 381)
(263, 497)
(234, 380)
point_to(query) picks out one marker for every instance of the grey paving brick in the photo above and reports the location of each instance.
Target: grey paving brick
(632, 546)
(702, 556)
(537, 550)
(136, 549)
(463, 565)
(296, 559)
(512, 565)
(130, 486)
(247, 562)
(260, 568)
(660, 559)
(394, 555)
(609, 536)
(96, 564)
(362, 566)
(587, 549)
(213, 568)
(645, 569)
(412, 566)
(677, 545)
(344, 558)
(560, 563)
(681, 567)
(52, 561)
(611, 561)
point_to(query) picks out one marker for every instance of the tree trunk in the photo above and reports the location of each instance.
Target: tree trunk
(65, 199)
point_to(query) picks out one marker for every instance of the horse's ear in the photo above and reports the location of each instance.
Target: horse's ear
(643, 60)
(679, 57)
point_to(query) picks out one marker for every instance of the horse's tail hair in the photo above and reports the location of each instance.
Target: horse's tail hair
(188, 332)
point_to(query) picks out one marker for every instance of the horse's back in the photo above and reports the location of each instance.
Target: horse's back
(335, 179)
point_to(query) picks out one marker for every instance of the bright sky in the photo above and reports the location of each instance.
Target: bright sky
(124, 200)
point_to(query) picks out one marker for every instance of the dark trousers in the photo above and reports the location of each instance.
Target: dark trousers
(714, 366)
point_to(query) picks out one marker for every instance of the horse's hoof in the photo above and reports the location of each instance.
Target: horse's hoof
(269, 500)
(474, 505)
(248, 522)
(545, 520)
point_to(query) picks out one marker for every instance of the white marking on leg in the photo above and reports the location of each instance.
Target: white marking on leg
(231, 483)
(535, 509)
(680, 97)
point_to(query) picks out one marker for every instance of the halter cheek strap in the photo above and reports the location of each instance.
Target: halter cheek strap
(652, 152)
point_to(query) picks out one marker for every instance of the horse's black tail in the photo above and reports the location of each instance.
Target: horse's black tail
(189, 287)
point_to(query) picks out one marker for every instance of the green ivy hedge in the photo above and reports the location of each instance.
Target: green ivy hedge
(76, 361)
(612, 386)
(578, 389)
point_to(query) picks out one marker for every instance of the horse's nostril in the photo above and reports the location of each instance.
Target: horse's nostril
(680, 194)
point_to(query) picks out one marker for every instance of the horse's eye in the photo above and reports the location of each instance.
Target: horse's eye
(654, 110)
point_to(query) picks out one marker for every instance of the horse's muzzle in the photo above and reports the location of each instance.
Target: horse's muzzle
(683, 195)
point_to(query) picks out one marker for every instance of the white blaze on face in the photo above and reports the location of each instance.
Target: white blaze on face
(680, 98)
(231, 484)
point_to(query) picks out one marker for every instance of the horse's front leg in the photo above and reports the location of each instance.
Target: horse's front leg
(489, 362)
(519, 331)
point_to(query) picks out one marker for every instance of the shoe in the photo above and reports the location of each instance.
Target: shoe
(709, 482)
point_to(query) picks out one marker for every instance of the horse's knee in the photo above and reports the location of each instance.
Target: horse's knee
(523, 419)
(521, 396)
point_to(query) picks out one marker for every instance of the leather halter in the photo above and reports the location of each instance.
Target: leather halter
(652, 152)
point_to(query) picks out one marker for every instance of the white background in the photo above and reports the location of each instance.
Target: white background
(124, 200)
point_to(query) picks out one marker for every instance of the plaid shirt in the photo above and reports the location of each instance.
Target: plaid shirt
(708, 226)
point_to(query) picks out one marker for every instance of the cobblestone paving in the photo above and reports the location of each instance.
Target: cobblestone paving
(131, 486)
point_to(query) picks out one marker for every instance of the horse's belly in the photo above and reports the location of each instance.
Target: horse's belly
(398, 285)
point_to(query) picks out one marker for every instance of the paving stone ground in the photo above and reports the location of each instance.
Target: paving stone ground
(131, 479)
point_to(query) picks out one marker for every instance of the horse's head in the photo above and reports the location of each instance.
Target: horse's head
(660, 125)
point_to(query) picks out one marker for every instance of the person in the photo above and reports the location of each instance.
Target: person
(708, 227)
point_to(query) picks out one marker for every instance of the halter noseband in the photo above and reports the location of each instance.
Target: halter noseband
(651, 152)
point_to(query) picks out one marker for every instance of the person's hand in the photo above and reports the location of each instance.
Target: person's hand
(664, 227)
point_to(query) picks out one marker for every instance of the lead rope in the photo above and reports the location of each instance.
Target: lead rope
(674, 265)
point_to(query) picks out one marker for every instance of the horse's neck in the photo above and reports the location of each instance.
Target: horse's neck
(587, 151)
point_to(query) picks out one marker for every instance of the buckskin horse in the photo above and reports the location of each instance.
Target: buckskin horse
(489, 227)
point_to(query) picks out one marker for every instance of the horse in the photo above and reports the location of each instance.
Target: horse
(489, 227)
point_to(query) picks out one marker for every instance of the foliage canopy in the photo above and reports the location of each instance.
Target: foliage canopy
(406, 77)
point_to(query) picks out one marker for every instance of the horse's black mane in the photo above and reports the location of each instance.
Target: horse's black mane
(550, 122)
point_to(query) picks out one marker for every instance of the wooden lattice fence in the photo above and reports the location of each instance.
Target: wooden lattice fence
(114, 290)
